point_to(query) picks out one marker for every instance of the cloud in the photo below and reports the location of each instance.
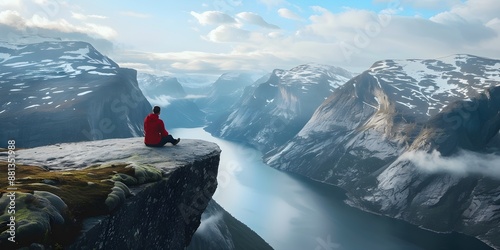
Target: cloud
(472, 10)
(288, 14)
(226, 33)
(10, 4)
(32, 35)
(14, 19)
(424, 4)
(256, 20)
(135, 14)
(213, 17)
(209, 226)
(352, 38)
(162, 100)
(81, 16)
(463, 164)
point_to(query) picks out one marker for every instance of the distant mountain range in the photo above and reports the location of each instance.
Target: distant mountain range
(391, 136)
(178, 109)
(272, 112)
(223, 94)
(55, 92)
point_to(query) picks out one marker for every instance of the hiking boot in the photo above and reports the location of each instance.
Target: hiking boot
(178, 140)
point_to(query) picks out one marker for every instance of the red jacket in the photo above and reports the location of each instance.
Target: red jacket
(154, 129)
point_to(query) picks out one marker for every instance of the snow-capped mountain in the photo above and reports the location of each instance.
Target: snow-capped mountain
(224, 93)
(178, 108)
(394, 138)
(70, 86)
(270, 113)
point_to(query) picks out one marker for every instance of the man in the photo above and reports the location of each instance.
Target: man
(155, 134)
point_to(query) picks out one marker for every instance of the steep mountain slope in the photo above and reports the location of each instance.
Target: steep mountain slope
(70, 86)
(224, 93)
(178, 109)
(421, 109)
(274, 111)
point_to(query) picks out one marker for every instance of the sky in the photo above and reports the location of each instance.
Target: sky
(195, 38)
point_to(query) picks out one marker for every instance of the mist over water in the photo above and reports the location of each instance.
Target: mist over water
(462, 164)
(292, 212)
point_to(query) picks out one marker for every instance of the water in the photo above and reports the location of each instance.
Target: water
(292, 212)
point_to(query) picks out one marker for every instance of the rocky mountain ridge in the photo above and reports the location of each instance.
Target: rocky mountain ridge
(272, 112)
(70, 86)
(371, 135)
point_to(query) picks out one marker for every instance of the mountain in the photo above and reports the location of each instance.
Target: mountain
(399, 138)
(272, 112)
(69, 86)
(178, 109)
(224, 93)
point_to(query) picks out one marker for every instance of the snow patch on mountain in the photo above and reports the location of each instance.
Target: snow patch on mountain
(435, 82)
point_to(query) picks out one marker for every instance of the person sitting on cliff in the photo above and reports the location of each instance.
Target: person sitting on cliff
(155, 134)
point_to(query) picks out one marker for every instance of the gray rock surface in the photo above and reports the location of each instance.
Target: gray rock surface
(159, 215)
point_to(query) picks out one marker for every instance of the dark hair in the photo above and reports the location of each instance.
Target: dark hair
(156, 110)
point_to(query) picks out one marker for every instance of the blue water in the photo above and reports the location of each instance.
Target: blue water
(292, 212)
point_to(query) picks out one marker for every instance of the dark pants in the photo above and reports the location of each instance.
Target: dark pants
(164, 141)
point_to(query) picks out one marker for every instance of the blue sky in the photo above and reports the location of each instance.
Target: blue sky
(213, 37)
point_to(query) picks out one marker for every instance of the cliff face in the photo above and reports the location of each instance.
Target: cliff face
(155, 198)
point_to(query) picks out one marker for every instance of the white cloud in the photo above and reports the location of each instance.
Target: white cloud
(162, 100)
(256, 20)
(81, 16)
(226, 33)
(64, 26)
(288, 14)
(213, 17)
(483, 10)
(12, 18)
(353, 39)
(424, 4)
(10, 4)
(462, 164)
(135, 14)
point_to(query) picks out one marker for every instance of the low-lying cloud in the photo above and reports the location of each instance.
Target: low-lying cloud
(164, 100)
(463, 163)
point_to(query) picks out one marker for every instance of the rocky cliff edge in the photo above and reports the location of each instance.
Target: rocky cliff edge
(108, 194)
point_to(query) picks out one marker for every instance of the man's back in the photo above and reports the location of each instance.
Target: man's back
(154, 129)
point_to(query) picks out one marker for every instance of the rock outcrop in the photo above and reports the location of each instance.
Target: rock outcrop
(112, 194)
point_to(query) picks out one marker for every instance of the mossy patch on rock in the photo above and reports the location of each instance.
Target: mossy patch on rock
(50, 205)
(35, 214)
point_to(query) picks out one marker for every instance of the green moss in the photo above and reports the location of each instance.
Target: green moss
(35, 214)
(78, 194)
(146, 173)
